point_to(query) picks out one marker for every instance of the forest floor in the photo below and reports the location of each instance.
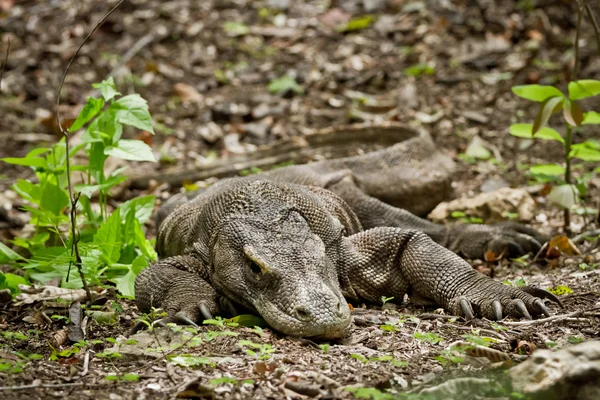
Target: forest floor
(207, 87)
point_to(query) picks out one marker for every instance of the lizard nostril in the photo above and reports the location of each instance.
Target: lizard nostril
(302, 313)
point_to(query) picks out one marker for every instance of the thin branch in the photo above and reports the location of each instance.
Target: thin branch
(4, 63)
(581, 314)
(65, 132)
(577, 33)
(592, 20)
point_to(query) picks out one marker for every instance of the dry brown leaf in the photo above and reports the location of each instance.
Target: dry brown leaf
(490, 256)
(187, 93)
(563, 244)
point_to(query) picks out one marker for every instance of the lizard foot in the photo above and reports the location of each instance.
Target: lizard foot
(493, 300)
(506, 239)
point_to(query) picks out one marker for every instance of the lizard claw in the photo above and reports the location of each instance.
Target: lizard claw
(466, 309)
(183, 319)
(542, 294)
(539, 303)
(205, 311)
(497, 307)
(521, 308)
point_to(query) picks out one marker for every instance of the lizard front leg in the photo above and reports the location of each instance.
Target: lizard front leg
(393, 261)
(175, 284)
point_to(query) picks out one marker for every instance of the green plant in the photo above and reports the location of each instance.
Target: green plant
(428, 337)
(386, 299)
(110, 246)
(264, 350)
(567, 190)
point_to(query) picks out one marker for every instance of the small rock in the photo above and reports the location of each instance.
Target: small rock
(493, 184)
(210, 132)
(491, 206)
(257, 130)
(475, 116)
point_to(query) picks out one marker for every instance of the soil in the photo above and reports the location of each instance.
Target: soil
(208, 94)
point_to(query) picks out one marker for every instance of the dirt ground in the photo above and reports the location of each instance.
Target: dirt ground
(208, 94)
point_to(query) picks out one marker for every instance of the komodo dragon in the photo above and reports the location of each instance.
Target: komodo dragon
(295, 244)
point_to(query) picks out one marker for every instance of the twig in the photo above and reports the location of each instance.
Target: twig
(133, 50)
(4, 63)
(554, 318)
(581, 237)
(86, 363)
(577, 33)
(74, 199)
(44, 386)
(592, 19)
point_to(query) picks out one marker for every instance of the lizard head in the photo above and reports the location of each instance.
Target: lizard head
(272, 262)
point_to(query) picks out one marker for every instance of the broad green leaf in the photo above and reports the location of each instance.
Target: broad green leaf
(144, 245)
(591, 118)
(585, 152)
(125, 284)
(89, 111)
(7, 254)
(548, 107)
(133, 150)
(128, 223)
(583, 89)
(143, 207)
(133, 110)
(283, 84)
(563, 195)
(572, 113)
(107, 88)
(357, 24)
(89, 190)
(54, 199)
(545, 133)
(236, 28)
(12, 282)
(547, 169)
(109, 239)
(537, 93)
(28, 191)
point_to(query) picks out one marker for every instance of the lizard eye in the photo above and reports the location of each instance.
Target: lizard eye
(255, 268)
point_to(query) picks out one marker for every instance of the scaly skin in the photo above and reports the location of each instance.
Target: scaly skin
(294, 253)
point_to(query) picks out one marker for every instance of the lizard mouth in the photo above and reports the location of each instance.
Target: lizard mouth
(322, 323)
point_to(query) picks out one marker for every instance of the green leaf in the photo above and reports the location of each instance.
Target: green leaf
(54, 199)
(583, 89)
(107, 88)
(249, 320)
(547, 169)
(133, 150)
(591, 118)
(572, 113)
(418, 70)
(89, 190)
(89, 111)
(476, 149)
(144, 245)
(538, 93)
(32, 159)
(186, 360)
(585, 151)
(236, 28)
(109, 239)
(284, 84)
(143, 207)
(28, 191)
(125, 284)
(525, 131)
(564, 196)
(12, 282)
(133, 110)
(357, 24)
(548, 107)
(8, 254)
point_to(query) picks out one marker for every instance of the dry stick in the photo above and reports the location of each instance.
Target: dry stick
(74, 199)
(592, 19)
(4, 63)
(577, 33)
(554, 318)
